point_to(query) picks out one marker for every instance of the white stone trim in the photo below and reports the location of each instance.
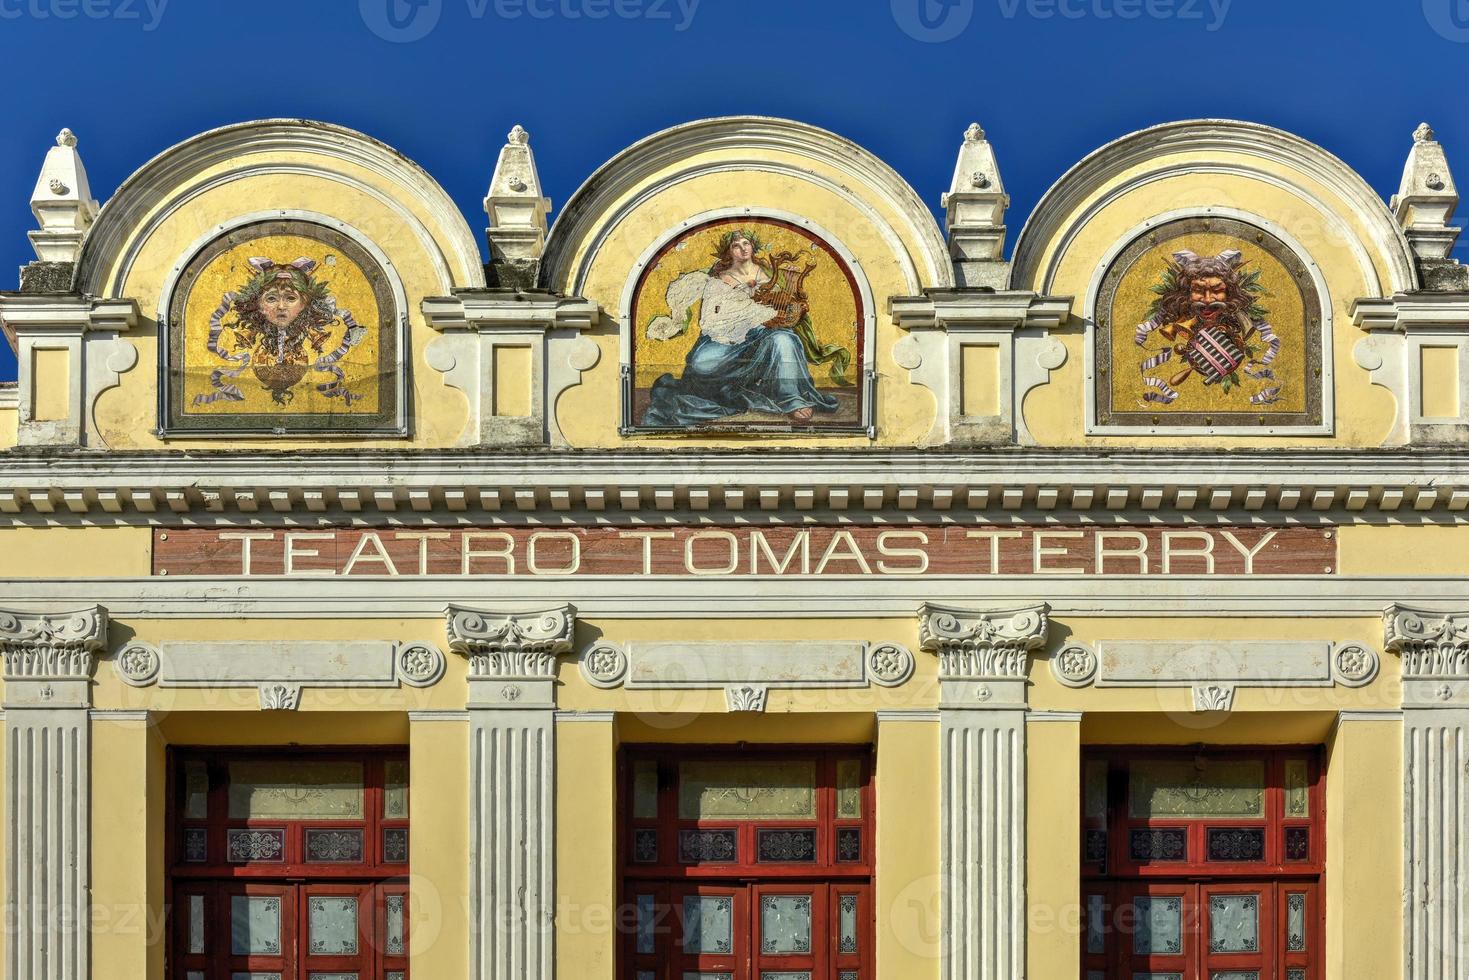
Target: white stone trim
(1313, 484)
(1062, 210)
(149, 197)
(119, 714)
(1435, 843)
(1326, 329)
(900, 715)
(1368, 714)
(589, 717)
(437, 715)
(1062, 717)
(747, 597)
(602, 200)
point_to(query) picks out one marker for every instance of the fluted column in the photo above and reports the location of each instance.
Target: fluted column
(983, 662)
(48, 667)
(1435, 652)
(512, 771)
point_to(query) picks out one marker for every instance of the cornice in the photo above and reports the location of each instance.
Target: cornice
(262, 485)
(973, 309)
(484, 309)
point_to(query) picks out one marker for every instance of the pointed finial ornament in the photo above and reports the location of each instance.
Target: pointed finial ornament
(66, 138)
(1425, 204)
(518, 136)
(975, 206)
(1424, 133)
(517, 211)
(974, 133)
(62, 202)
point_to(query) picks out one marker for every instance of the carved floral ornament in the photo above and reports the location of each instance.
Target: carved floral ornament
(1432, 644)
(983, 643)
(511, 644)
(46, 645)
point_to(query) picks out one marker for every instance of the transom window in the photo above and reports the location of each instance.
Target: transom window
(289, 866)
(1202, 864)
(755, 866)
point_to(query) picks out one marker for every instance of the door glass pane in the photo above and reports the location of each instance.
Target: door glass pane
(1297, 791)
(395, 789)
(785, 975)
(1096, 914)
(1295, 975)
(333, 976)
(847, 924)
(1234, 923)
(1295, 923)
(785, 924)
(332, 921)
(196, 923)
(1096, 789)
(1159, 926)
(196, 791)
(747, 790)
(707, 976)
(255, 976)
(1180, 788)
(394, 975)
(708, 924)
(849, 789)
(1157, 976)
(255, 925)
(646, 922)
(1236, 975)
(645, 790)
(292, 790)
(395, 944)
(194, 975)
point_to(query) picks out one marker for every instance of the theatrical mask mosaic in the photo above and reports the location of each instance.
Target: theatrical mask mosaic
(747, 325)
(1208, 322)
(283, 327)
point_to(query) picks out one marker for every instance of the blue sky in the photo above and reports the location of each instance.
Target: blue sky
(1050, 80)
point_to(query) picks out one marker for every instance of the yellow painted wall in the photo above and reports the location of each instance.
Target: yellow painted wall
(586, 848)
(9, 427)
(438, 808)
(76, 552)
(908, 886)
(1053, 854)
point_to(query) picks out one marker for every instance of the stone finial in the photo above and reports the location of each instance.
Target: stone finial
(517, 211)
(1427, 198)
(975, 205)
(62, 202)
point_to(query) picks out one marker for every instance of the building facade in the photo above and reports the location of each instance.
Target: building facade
(743, 577)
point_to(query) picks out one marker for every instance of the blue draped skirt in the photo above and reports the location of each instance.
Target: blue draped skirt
(765, 372)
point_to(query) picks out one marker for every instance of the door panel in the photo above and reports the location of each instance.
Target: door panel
(256, 930)
(711, 933)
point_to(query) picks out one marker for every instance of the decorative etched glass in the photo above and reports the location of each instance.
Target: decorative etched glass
(849, 789)
(747, 791)
(1095, 805)
(395, 789)
(254, 976)
(645, 790)
(1295, 975)
(1295, 923)
(708, 924)
(1236, 975)
(394, 975)
(706, 976)
(396, 942)
(785, 975)
(847, 924)
(706, 846)
(1158, 844)
(395, 845)
(646, 923)
(1298, 843)
(1297, 789)
(647, 975)
(295, 790)
(1095, 975)
(1234, 923)
(645, 846)
(194, 975)
(255, 925)
(1159, 926)
(196, 791)
(332, 976)
(332, 921)
(1094, 846)
(785, 924)
(334, 846)
(1245, 844)
(1157, 976)
(196, 923)
(847, 975)
(849, 844)
(256, 845)
(1177, 788)
(786, 846)
(196, 845)
(1096, 922)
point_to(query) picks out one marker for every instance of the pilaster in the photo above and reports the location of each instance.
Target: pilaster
(48, 665)
(512, 771)
(1435, 652)
(984, 658)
